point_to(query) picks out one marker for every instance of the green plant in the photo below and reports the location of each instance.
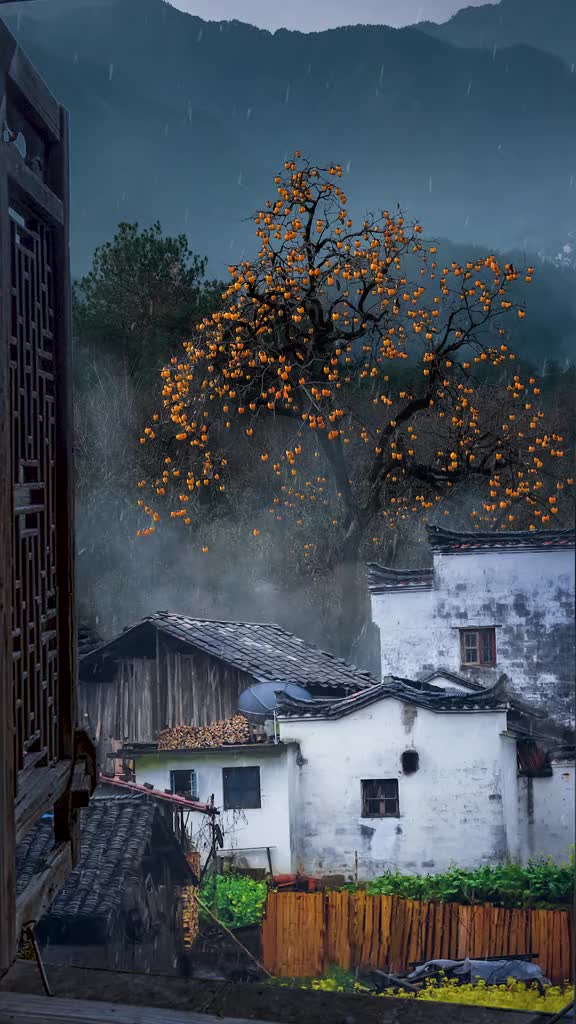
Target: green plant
(541, 884)
(512, 996)
(236, 900)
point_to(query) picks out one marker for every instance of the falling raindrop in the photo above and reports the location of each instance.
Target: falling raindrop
(499, 145)
(110, 72)
(469, 89)
(348, 166)
(199, 36)
(430, 184)
(232, 243)
(240, 178)
(381, 79)
(189, 111)
(287, 95)
(466, 221)
(75, 57)
(494, 49)
(186, 215)
(572, 66)
(166, 128)
(309, 71)
(249, 113)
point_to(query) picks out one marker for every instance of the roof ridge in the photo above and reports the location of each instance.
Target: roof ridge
(221, 622)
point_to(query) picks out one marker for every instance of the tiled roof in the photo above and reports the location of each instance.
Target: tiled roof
(383, 580)
(262, 650)
(116, 833)
(88, 639)
(455, 542)
(407, 691)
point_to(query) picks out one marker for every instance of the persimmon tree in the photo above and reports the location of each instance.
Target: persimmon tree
(355, 343)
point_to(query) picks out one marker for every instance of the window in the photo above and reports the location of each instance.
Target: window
(241, 788)
(478, 646)
(410, 762)
(183, 782)
(380, 798)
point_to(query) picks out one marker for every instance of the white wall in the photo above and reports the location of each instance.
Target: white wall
(268, 825)
(548, 828)
(451, 809)
(528, 594)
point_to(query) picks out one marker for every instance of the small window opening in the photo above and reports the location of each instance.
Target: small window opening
(184, 782)
(380, 798)
(478, 646)
(410, 762)
(241, 788)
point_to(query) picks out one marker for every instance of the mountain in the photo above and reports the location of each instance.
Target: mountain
(186, 121)
(549, 26)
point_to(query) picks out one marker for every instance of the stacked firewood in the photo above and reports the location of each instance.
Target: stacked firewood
(195, 737)
(190, 903)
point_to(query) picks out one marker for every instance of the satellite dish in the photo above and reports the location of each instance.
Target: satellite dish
(258, 702)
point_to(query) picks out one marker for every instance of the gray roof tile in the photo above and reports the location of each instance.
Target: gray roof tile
(262, 650)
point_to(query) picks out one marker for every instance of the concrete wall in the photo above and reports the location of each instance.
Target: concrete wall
(546, 813)
(451, 809)
(528, 595)
(268, 825)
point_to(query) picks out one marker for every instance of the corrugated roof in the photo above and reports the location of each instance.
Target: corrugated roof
(456, 542)
(262, 650)
(115, 836)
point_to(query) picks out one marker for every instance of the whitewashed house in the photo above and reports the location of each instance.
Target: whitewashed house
(252, 784)
(400, 775)
(489, 603)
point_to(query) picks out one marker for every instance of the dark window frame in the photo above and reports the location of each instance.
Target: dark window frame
(241, 797)
(484, 646)
(380, 798)
(190, 794)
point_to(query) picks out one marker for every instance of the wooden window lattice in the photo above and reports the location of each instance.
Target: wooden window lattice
(33, 425)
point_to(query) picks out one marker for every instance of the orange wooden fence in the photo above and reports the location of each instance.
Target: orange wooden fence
(304, 933)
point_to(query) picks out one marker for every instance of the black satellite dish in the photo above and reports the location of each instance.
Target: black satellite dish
(258, 703)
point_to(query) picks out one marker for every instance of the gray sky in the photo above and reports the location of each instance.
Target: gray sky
(315, 15)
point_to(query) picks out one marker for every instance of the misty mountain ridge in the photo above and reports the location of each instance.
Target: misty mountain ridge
(187, 121)
(549, 26)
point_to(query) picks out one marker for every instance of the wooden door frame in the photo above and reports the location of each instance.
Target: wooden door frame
(41, 184)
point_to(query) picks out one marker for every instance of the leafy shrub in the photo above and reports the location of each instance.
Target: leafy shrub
(541, 884)
(236, 900)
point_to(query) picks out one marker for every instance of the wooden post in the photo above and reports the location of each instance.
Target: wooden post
(7, 750)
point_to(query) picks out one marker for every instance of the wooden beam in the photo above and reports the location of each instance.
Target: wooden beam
(16, 1008)
(39, 893)
(7, 732)
(41, 107)
(37, 792)
(26, 184)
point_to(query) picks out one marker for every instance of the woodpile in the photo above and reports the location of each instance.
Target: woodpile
(197, 737)
(189, 905)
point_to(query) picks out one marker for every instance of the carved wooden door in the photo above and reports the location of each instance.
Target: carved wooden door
(37, 639)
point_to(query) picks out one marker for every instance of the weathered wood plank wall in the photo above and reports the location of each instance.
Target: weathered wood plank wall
(303, 934)
(151, 694)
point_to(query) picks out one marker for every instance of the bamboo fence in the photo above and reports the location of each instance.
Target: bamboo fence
(305, 933)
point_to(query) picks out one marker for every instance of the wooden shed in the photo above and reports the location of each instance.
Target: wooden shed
(173, 670)
(120, 908)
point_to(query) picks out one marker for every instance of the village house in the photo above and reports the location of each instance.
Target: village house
(400, 775)
(489, 603)
(120, 907)
(170, 670)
